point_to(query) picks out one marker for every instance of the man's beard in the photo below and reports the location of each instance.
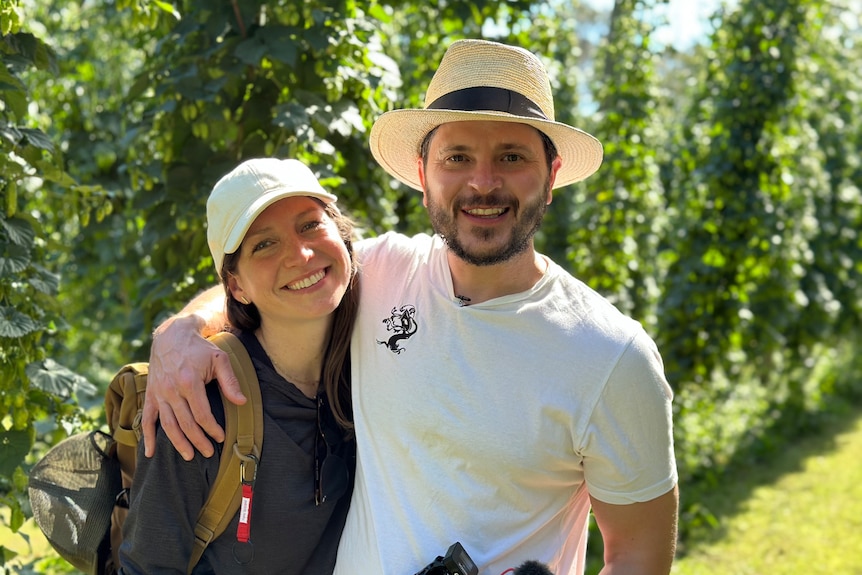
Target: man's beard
(529, 219)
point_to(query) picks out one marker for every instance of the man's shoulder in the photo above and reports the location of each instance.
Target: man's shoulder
(393, 243)
(592, 307)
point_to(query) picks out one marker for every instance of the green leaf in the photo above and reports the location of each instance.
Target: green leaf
(10, 133)
(280, 44)
(291, 115)
(141, 84)
(15, 324)
(45, 282)
(16, 101)
(54, 173)
(17, 517)
(10, 22)
(346, 120)
(37, 138)
(45, 58)
(56, 379)
(316, 37)
(714, 258)
(34, 51)
(14, 446)
(167, 7)
(7, 78)
(251, 51)
(13, 258)
(19, 230)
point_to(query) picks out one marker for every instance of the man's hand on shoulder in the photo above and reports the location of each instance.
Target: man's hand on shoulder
(182, 362)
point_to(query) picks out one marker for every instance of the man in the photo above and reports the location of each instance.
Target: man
(496, 398)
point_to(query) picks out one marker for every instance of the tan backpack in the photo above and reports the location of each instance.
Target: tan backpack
(79, 490)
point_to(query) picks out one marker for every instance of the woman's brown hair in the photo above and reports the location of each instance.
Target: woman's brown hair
(336, 359)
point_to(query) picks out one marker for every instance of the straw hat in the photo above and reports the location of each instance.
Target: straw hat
(244, 193)
(481, 80)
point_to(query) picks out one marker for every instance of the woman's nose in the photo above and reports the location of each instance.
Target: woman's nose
(297, 254)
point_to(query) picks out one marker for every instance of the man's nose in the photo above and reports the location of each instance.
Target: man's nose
(485, 177)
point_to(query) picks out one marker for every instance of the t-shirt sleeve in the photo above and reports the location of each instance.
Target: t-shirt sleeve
(628, 454)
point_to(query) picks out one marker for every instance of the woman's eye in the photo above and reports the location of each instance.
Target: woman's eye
(309, 226)
(260, 245)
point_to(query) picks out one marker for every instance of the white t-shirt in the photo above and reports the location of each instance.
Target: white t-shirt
(491, 424)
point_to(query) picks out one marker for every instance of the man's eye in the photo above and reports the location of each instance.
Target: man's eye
(457, 158)
(511, 157)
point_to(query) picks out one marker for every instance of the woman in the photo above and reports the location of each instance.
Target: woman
(283, 251)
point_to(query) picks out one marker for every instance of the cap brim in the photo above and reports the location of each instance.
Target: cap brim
(396, 136)
(244, 221)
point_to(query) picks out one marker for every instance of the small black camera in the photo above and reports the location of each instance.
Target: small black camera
(455, 562)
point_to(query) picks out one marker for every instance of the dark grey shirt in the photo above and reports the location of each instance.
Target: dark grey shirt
(289, 533)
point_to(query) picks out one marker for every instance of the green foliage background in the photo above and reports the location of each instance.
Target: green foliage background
(726, 215)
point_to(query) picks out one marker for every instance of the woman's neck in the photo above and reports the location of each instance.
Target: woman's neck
(296, 351)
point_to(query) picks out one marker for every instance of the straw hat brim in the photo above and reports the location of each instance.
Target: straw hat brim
(396, 136)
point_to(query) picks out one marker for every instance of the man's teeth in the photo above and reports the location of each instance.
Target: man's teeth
(485, 211)
(307, 282)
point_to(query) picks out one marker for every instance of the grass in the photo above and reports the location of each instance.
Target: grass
(800, 511)
(27, 544)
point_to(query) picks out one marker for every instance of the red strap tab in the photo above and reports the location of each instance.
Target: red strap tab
(244, 527)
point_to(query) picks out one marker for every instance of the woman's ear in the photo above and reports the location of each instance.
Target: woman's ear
(236, 289)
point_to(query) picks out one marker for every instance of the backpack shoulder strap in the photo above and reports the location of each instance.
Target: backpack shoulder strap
(242, 448)
(124, 402)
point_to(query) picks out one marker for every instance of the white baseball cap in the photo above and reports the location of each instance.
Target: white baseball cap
(241, 195)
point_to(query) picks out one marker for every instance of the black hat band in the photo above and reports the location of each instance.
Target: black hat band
(488, 99)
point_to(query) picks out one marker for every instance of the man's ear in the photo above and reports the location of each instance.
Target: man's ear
(555, 167)
(420, 168)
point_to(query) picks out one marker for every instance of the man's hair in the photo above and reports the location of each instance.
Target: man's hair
(336, 359)
(550, 149)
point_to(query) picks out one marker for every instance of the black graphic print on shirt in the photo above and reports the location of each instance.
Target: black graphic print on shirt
(401, 323)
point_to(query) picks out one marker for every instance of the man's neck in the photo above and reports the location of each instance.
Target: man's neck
(475, 284)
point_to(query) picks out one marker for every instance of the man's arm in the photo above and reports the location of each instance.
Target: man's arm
(182, 362)
(640, 538)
